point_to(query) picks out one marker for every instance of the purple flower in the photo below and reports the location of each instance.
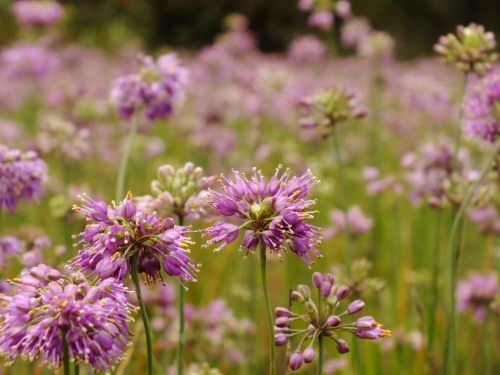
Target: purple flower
(155, 89)
(307, 49)
(322, 20)
(322, 320)
(49, 310)
(37, 13)
(274, 212)
(9, 246)
(482, 110)
(120, 232)
(22, 60)
(477, 293)
(22, 176)
(358, 223)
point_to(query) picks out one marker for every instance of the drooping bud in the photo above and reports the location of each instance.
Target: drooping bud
(317, 279)
(280, 339)
(309, 355)
(296, 360)
(355, 306)
(342, 347)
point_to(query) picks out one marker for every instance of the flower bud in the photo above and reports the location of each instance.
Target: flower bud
(280, 339)
(309, 355)
(365, 323)
(295, 360)
(343, 292)
(342, 347)
(333, 321)
(304, 290)
(325, 288)
(329, 278)
(281, 311)
(282, 321)
(297, 297)
(355, 306)
(317, 279)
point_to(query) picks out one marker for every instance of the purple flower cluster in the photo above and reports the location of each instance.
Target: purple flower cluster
(22, 176)
(50, 310)
(37, 13)
(9, 246)
(155, 88)
(482, 110)
(119, 233)
(322, 320)
(307, 49)
(477, 294)
(28, 61)
(274, 213)
(358, 223)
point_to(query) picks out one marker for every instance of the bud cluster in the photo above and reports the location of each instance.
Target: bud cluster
(322, 319)
(470, 50)
(182, 192)
(330, 108)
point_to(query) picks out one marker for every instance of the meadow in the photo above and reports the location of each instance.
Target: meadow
(123, 169)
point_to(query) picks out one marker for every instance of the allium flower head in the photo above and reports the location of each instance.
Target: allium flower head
(49, 310)
(23, 60)
(330, 108)
(470, 50)
(307, 48)
(322, 320)
(477, 293)
(37, 13)
(22, 176)
(155, 88)
(354, 31)
(273, 211)
(482, 110)
(118, 233)
(182, 192)
(378, 44)
(323, 20)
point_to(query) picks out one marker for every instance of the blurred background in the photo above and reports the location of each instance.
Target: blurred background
(195, 23)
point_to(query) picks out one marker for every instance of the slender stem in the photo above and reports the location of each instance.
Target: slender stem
(65, 355)
(434, 286)
(263, 274)
(120, 181)
(77, 369)
(458, 127)
(453, 258)
(144, 314)
(345, 199)
(320, 354)
(180, 345)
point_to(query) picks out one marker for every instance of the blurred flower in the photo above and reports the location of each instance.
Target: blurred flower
(358, 223)
(360, 281)
(482, 110)
(487, 219)
(322, 20)
(330, 108)
(155, 88)
(10, 246)
(37, 13)
(63, 137)
(28, 61)
(477, 293)
(471, 51)
(354, 30)
(119, 233)
(322, 320)
(307, 48)
(182, 192)
(401, 338)
(50, 311)
(274, 212)
(22, 176)
(378, 44)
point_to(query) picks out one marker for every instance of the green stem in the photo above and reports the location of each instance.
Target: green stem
(270, 321)
(180, 346)
(65, 355)
(344, 205)
(458, 127)
(453, 258)
(320, 354)
(144, 314)
(120, 182)
(434, 286)
(77, 369)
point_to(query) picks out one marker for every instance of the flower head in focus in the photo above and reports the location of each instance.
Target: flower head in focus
(50, 310)
(323, 320)
(120, 233)
(273, 211)
(22, 176)
(182, 192)
(471, 50)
